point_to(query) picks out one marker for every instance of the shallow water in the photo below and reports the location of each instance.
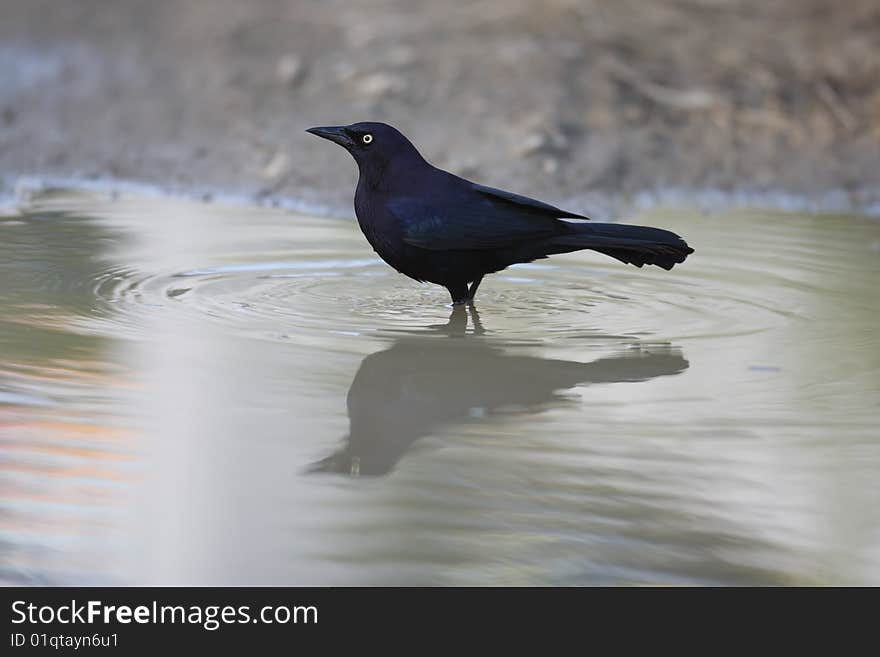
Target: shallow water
(200, 394)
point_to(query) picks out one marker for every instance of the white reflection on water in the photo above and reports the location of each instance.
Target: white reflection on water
(188, 397)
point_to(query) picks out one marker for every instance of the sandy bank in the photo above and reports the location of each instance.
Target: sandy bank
(558, 99)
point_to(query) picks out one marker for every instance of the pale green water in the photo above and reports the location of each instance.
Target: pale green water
(173, 383)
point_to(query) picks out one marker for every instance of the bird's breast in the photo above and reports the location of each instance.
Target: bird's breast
(381, 228)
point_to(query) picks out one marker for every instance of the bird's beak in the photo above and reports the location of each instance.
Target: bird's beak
(335, 133)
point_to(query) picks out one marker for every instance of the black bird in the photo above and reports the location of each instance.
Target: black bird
(435, 226)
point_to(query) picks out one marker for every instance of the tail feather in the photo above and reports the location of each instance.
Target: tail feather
(635, 245)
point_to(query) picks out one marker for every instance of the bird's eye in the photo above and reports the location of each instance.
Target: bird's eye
(367, 139)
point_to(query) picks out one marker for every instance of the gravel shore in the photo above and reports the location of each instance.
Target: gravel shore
(560, 99)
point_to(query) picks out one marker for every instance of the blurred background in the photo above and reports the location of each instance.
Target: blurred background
(201, 392)
(557, 97)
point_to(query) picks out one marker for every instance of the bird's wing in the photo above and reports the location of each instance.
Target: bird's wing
(525, 203)
(441, 226)
(476, 220)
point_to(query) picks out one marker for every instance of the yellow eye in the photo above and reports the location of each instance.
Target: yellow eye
(367, 139)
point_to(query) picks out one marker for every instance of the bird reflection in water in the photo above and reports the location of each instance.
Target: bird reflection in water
(450, 375)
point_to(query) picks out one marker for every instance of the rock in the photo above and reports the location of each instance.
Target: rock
(289, 69)
(467, 167)
(528, 144)
(277, 166)
(379, 84)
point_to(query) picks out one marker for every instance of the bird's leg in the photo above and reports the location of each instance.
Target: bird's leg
(458, 320)
(475, 317)
(473, 289)
(459, 293)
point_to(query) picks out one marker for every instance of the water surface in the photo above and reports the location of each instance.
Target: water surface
(203, 394)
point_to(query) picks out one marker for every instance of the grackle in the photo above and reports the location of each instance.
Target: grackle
(435, 226)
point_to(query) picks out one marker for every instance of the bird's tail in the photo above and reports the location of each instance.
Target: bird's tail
(636, 245)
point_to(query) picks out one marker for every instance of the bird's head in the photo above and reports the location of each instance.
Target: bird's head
(380, 150)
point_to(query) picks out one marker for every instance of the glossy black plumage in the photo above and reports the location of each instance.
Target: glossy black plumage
(435, 226)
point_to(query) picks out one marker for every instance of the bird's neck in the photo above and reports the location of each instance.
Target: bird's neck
(388, 175)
